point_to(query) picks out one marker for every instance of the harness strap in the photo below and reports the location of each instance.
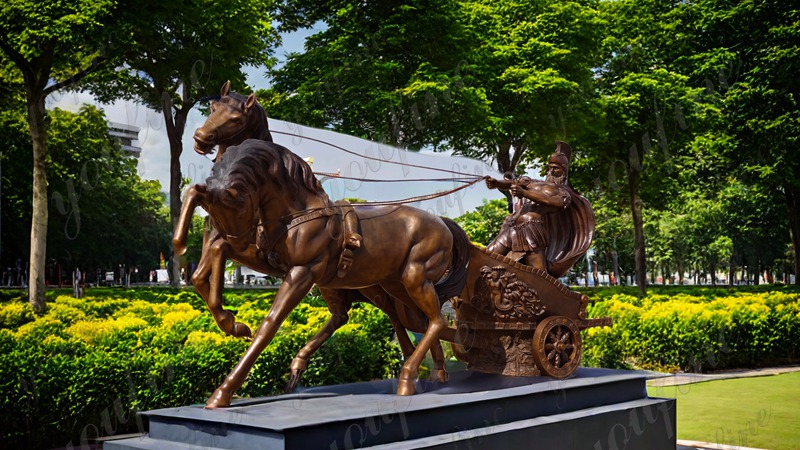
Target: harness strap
(351, 241)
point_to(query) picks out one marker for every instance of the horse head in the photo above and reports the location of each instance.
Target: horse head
(234, 118)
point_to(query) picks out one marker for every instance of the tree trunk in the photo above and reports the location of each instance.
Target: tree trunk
(731, 273)
(638, 232)
(36, 123)
(175, 126)
(793, 202)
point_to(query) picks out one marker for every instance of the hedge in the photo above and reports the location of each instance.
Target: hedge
(695, 333)
(83, 369)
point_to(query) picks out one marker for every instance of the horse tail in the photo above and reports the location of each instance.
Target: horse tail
(454, 283)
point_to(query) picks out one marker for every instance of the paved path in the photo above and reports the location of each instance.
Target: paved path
(664, 379)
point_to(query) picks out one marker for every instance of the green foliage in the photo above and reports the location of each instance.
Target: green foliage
(696, 331)
(483, 224)
(84, 368)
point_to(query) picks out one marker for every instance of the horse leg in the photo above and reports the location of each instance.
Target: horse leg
(298, 282)
(412, 320)
(338, 304)
(208, 280)
(423, 293)
(381, 299)
(439, 373)
(415, 322)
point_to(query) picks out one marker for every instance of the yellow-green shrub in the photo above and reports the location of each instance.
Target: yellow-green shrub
(696, 333)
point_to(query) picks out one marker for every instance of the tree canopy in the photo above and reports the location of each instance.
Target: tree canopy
(491, 80)
(47, 46)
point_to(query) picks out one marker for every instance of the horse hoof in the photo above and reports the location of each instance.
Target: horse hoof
(241, 330)
(294, 378)
(405, 387)
(439, 376)
(219, 399)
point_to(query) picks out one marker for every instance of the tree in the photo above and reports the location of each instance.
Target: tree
(490, 80)
(181, 52)
(52, 45)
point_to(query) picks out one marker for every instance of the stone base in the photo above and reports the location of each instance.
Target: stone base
(596, 409)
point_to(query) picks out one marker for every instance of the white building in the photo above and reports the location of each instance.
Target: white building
(128, 137)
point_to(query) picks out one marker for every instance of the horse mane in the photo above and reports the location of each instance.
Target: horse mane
(260, 113)
(248, 166)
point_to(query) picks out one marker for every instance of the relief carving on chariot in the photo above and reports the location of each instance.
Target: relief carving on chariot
(268, 211)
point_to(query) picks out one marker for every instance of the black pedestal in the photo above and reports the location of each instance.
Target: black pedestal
(596, 409)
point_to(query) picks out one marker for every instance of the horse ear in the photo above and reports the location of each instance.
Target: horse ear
(233, 193)
(225, 88)
(251, 100)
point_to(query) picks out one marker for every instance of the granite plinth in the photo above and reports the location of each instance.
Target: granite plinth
(597, 408)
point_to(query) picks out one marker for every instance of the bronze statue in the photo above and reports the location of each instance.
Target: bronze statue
(551, 226)
(270, 213)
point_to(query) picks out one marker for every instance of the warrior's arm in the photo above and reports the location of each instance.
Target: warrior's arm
(544, 193)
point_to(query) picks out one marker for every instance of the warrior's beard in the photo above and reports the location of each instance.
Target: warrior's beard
(556, 180)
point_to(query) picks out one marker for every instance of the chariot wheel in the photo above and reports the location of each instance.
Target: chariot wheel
(557, 346)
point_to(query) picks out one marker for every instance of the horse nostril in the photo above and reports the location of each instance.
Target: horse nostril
(201, 135)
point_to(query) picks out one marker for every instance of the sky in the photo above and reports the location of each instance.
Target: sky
(373, 160)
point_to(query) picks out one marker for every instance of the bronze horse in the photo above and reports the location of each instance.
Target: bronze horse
(261, 192)
(227, 127)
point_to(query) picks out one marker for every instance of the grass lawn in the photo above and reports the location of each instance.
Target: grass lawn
(761, 412)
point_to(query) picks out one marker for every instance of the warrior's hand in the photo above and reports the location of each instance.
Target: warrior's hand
(518, 190)
(493, 183)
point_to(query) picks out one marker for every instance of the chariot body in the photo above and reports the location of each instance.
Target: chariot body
(513, 319)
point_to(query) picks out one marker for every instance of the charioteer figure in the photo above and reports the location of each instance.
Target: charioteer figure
(552, 225)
